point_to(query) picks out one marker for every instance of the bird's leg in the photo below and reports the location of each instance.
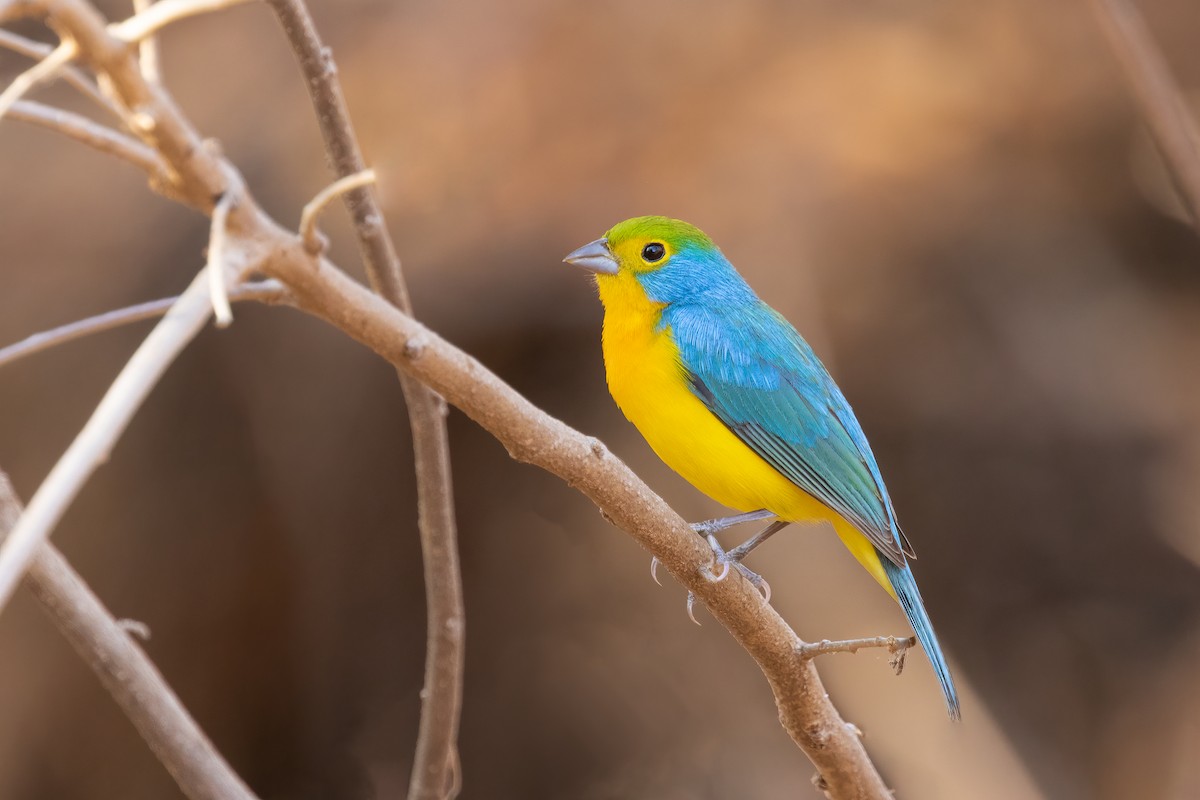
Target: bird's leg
(711, 526)
(743, 549)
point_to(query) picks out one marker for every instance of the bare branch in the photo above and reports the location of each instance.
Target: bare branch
(40, 72)
(197, 177)
(73, 76)
(312, 211)
(148, 49)
(159, 15)
(897, 646)
(128, 675)
(94, 443)
(435, 773)
(269, 291)
(93, 134)
(1170, 120)
(217, 293)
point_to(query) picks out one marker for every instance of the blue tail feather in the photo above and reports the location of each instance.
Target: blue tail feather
(905, 584)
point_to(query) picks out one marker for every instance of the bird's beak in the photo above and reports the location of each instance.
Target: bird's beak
(594, 257)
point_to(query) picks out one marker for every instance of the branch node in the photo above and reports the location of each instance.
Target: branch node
(143, 121)
(135, 628)
(414, 348)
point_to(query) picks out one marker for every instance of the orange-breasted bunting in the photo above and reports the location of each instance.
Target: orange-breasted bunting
(730, 396)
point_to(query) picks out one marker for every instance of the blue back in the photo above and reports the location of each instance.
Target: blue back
(755, 372)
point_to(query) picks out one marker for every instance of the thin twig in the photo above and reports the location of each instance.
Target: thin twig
(313, 209)
(148, 49)
(1162, 104)
(40, 72)
(197, 176)
(268, 291)
(159, 15)
(73, 76)
(435, 772)
(126, 672)
(896, 645)
(93, 134)
(218, 294)
(92, 446)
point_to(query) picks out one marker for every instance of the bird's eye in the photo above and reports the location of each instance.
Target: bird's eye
(653, 252)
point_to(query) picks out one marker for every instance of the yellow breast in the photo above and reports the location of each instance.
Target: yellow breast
(649, 384)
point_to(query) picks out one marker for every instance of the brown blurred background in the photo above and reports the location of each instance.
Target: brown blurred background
(953, 201)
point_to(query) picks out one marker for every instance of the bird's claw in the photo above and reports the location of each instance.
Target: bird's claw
(654, 569)
(757, 581)
(724, 570)
(691, 604)
(734, 559)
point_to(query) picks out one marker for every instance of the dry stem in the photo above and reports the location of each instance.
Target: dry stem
(269, 291)
(40, 72)
(90, 133)
(92, 446)
(32, 49)
(313, 209)
(148, 49)
(435, 771)
(217, 293)
(896, 645)
(159, 15)
(126, 672)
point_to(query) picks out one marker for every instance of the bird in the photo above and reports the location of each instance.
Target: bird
(730, 396)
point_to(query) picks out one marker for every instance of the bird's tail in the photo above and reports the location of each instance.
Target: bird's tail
(905, 585)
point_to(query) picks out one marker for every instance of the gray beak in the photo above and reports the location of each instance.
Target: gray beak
(594, 257)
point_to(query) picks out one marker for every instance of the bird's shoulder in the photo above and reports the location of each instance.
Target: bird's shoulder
(749, 345)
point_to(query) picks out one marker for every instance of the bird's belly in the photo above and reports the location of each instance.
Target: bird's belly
(648, 383)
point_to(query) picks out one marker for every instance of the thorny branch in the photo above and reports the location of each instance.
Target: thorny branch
(126, 672)
(435, 764)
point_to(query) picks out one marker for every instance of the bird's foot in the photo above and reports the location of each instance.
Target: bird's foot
(733, 559)
(758, 581)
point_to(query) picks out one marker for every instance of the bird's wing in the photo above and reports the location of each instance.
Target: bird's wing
(752, 369)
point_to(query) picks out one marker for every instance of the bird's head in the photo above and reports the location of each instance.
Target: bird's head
(669, 260)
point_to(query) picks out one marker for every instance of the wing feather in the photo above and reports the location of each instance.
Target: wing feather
(752, 369)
